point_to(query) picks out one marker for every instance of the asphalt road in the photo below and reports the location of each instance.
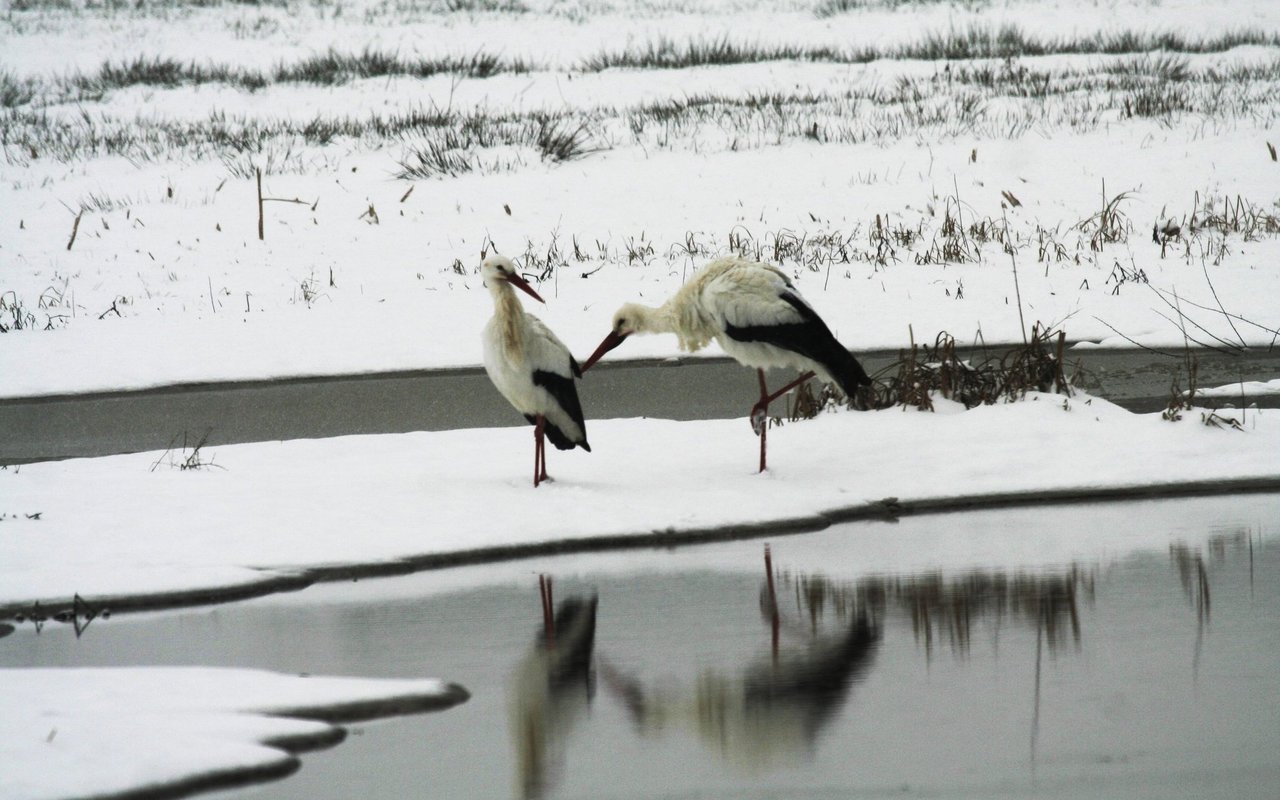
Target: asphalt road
(103, 423)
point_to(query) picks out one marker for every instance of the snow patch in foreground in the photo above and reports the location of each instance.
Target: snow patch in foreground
(104, 731)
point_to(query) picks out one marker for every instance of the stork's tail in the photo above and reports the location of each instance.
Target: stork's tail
(563, 441)
(848, 372)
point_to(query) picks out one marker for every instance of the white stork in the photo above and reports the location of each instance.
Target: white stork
(756, 315)
(531, 367)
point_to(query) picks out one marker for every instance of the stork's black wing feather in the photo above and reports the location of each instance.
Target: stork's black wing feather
(810, 338)
(566, 395)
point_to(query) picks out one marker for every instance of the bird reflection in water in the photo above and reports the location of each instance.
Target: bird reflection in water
(553, 686)
(818, 640)
(772, 711)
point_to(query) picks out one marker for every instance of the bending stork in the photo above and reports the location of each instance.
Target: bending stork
(754, 312)
(531, 367)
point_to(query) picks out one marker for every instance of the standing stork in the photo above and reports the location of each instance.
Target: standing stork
(531, 367)
(755, 313)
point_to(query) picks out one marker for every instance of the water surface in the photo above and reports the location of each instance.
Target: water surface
(1119, 650)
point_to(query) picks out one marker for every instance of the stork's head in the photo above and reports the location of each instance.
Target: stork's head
(630, 318)
(633, 318)
(497, 270)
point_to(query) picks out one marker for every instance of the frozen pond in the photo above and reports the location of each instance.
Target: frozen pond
(1119, 650)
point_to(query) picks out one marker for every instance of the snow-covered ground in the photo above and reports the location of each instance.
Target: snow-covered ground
(261, 514)
(160, 730)
(903, 192)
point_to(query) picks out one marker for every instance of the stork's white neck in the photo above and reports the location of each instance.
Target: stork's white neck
(510, 317)
(648, 319)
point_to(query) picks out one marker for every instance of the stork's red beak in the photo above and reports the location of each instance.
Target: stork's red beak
(524, 286)
(611, 341)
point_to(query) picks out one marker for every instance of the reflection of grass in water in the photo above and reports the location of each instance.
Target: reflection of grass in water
(1193, 566)
(950, 609)
(1193, 576)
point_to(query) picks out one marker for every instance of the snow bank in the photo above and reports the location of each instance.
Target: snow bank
(111, 529)
(96, 732)
(1250, 388)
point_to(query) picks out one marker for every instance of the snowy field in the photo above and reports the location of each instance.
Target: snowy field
(1108, 169)
(614, 147)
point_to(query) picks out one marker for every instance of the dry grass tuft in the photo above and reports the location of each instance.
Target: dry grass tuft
(923, 374)
(1110, 225)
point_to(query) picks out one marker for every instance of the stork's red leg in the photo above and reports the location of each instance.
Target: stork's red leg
(804, 376)
(760, 411)
(537, 450)
(542, 451)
